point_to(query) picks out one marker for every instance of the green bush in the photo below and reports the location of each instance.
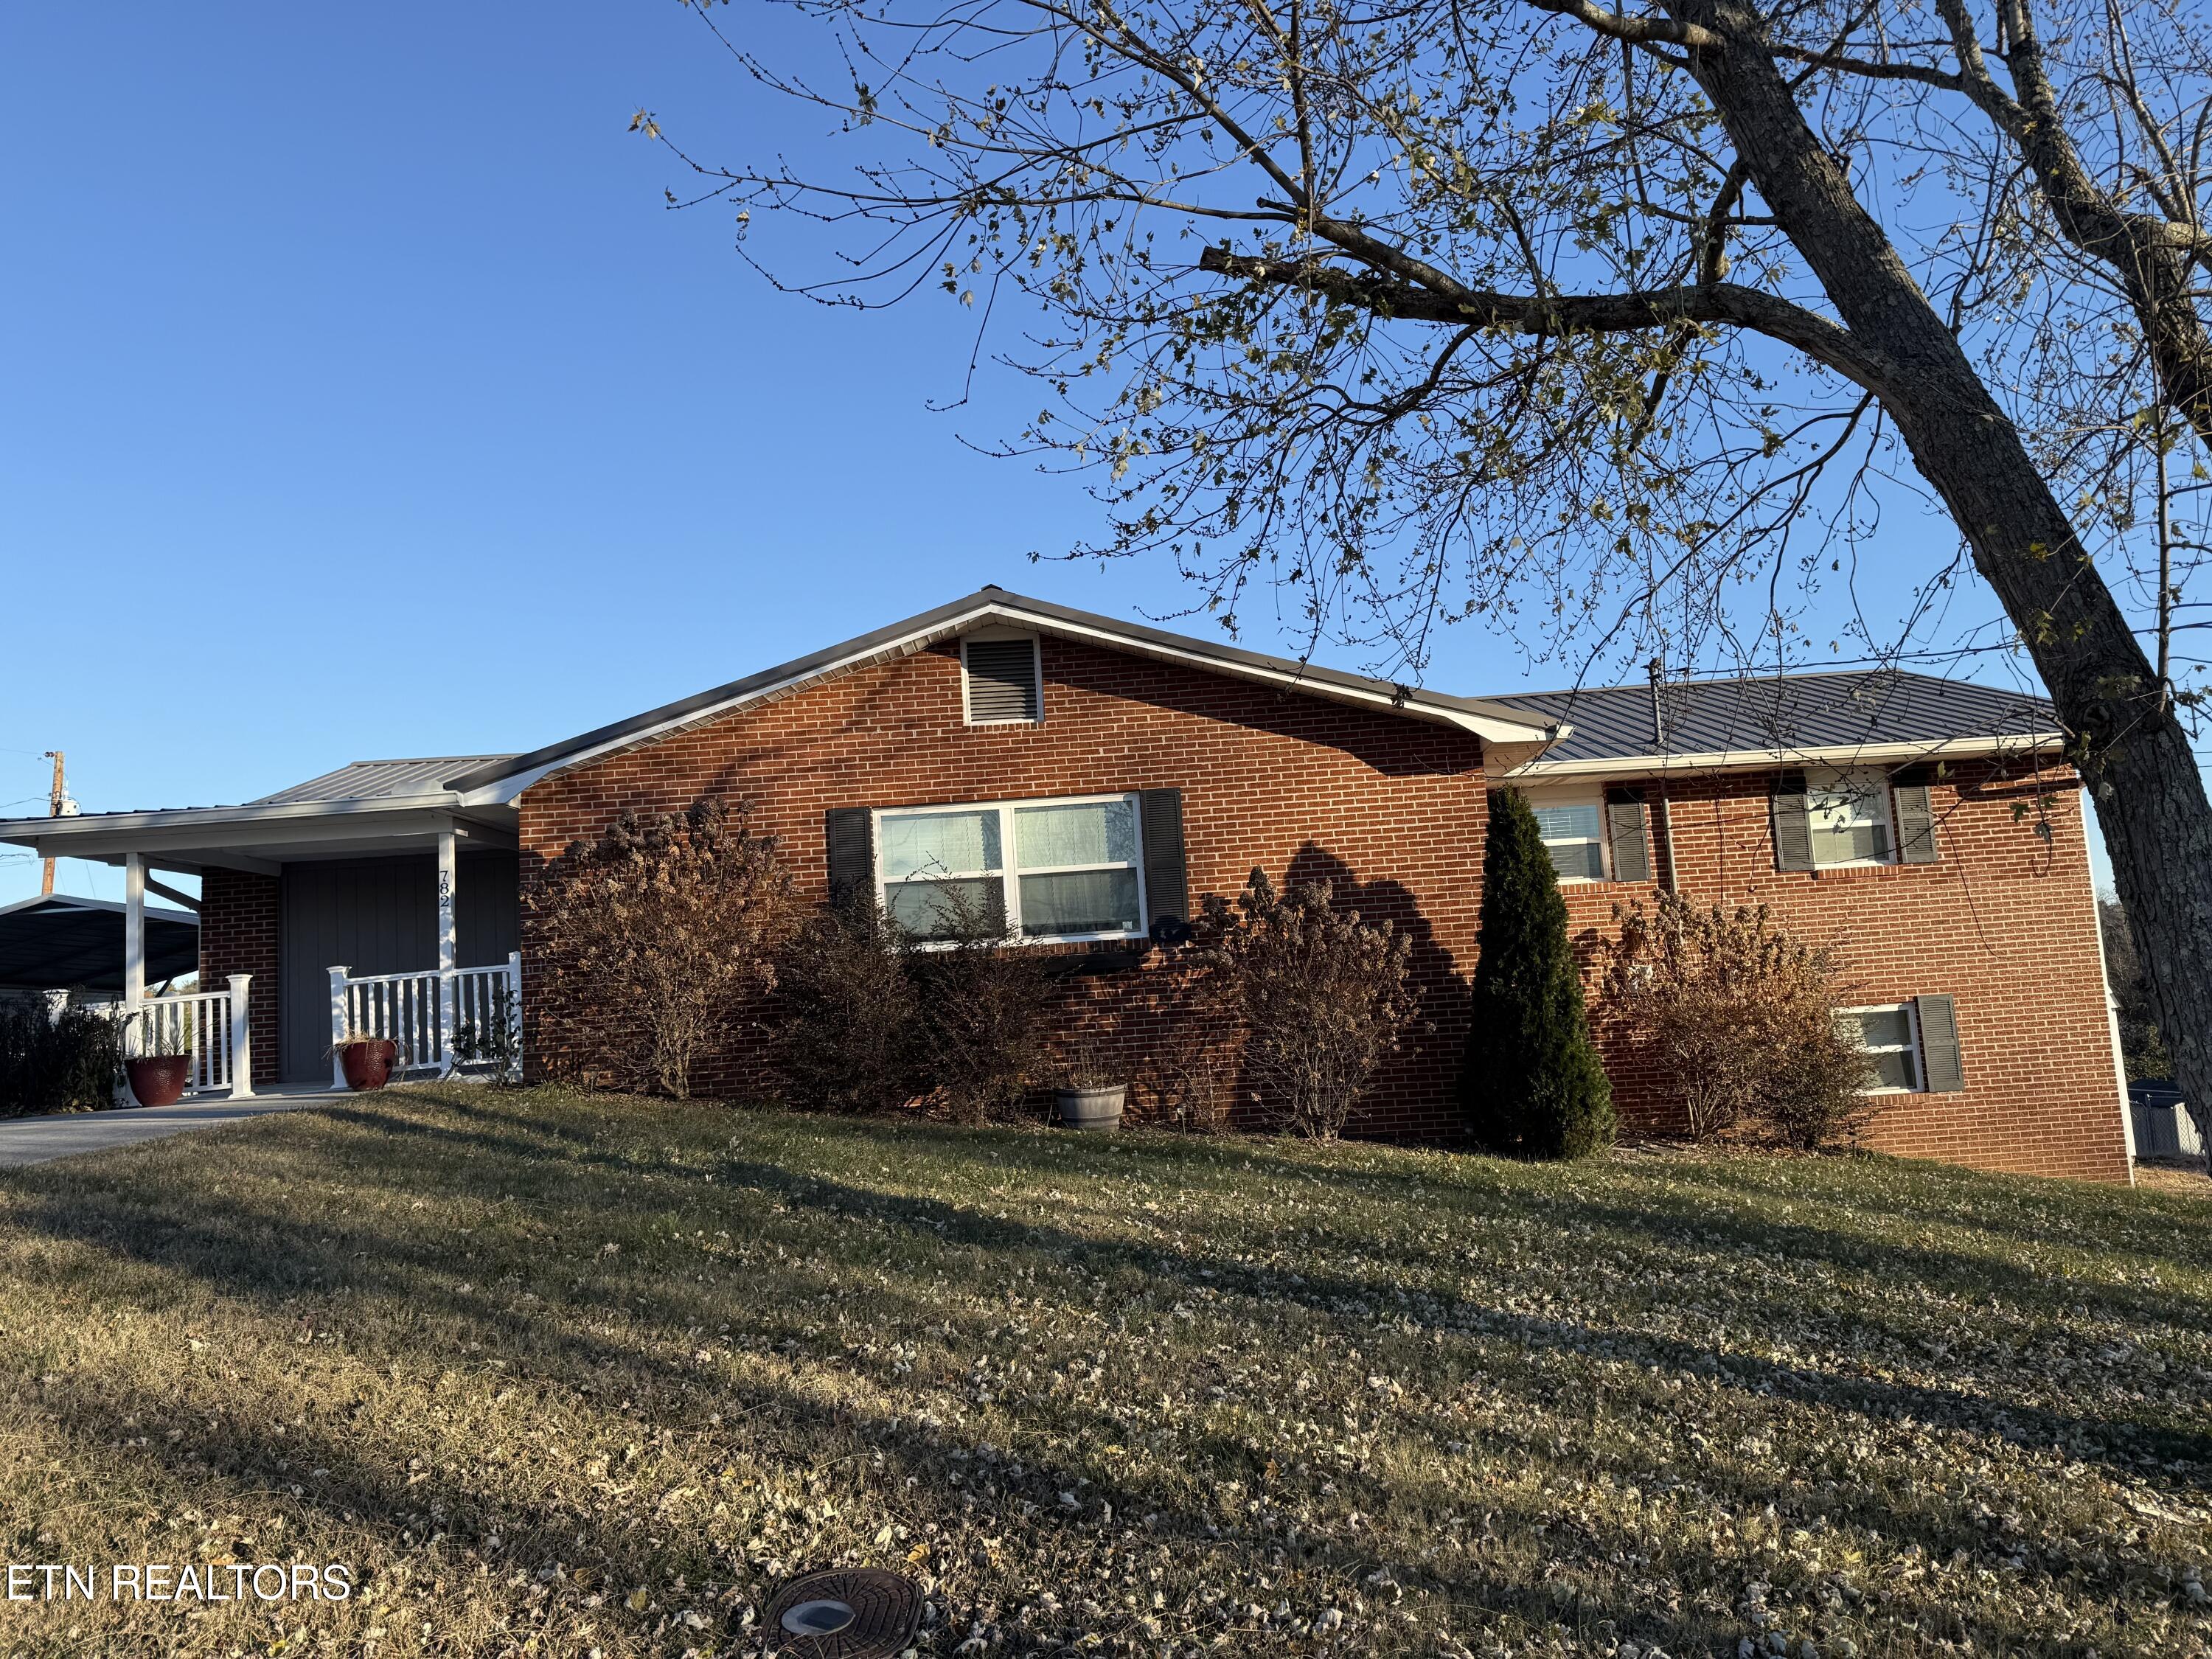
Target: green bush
(64, 1065)
(1532, 1084)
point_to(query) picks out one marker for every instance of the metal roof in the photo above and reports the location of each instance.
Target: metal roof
(380, 780)
(1865, 709)
(57, 941)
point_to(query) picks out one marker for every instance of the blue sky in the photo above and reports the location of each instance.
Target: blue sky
(363, 399)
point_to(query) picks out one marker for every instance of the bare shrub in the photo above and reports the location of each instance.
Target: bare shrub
(1322, 994)
(670, 921)
(1737, 1020)
(844, 1019)
(1193, 1064)
(980, 1003)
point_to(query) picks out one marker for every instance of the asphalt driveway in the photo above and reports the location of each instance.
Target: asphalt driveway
(38, 1140)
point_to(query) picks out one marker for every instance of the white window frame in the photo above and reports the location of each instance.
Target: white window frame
(989, 636)
(1888, 820)
(1010, 872)
(1909, 1046)
(1591, 797)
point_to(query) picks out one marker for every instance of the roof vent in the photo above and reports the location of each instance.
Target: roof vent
(1005, 683)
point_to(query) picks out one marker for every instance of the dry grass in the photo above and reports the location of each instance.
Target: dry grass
(558, 1374)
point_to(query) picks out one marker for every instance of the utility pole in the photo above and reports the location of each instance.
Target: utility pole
(57, 799)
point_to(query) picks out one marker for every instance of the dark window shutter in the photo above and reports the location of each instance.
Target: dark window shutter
(1627, 827)
(1002, 681)
(1793, 824)
(1167, 877)
(1916, 822)
(1939, 1045)
(852, 852)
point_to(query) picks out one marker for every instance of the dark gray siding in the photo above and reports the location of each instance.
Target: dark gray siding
(380, 916)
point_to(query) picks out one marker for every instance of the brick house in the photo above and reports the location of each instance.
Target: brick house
(1087, 779)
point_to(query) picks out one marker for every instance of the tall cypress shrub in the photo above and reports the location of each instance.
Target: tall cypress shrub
(1531, 1086)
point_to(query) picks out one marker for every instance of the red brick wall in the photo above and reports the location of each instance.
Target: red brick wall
(1390, 807)
(238, 935)
(1392, 810)
(2004, 922)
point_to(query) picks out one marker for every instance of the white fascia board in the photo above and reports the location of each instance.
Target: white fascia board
(298, 812)
(1856, 754)
(1489, 728)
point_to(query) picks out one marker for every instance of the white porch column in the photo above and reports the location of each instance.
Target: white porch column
(338, 1023)
(134, 929)
(448, 948)
(515, 1010)
(241, 1038)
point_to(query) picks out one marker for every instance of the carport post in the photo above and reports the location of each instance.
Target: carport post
(134, 929)
(241, 1038)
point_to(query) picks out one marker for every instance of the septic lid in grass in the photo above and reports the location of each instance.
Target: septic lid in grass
(847, 1612)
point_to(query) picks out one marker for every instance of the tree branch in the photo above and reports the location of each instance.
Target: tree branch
(1637, 31)
(1723, 304)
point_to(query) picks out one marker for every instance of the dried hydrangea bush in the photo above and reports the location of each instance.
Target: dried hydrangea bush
(559, 1375)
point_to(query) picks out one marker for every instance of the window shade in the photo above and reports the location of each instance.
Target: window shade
(1002, 682)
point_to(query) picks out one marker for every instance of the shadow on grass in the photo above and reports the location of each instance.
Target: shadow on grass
(270, 1258)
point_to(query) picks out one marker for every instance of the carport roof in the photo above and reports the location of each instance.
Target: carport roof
(59, 941)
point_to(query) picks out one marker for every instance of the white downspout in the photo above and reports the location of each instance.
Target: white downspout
(2112, 1021)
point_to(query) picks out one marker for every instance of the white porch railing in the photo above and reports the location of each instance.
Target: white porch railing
(431, 1016)
(210, 1027)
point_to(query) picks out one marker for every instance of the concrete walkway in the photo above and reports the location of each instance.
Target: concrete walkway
(38, 1139)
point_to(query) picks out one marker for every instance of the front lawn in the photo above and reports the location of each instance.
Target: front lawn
(556, 1374)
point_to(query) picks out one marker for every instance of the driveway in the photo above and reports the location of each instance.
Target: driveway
(38, 1140)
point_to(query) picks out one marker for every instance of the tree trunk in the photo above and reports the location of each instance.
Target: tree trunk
(2133, 755)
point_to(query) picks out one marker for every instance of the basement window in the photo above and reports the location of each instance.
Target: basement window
(1891, 1040)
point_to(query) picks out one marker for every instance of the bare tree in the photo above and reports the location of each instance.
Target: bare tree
(1415, 310)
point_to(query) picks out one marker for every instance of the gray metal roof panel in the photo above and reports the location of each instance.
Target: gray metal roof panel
(1794, 712)
(376, 780)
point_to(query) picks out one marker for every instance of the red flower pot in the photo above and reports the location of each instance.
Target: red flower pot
(159, 1080)
(368, 1065)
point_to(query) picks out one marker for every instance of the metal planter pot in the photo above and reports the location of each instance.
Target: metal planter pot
(1090, 1109)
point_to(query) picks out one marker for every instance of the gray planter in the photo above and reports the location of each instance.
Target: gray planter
(1090, 1109)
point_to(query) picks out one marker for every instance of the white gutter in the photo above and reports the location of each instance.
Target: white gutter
(1633, 766)
(26, 831)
